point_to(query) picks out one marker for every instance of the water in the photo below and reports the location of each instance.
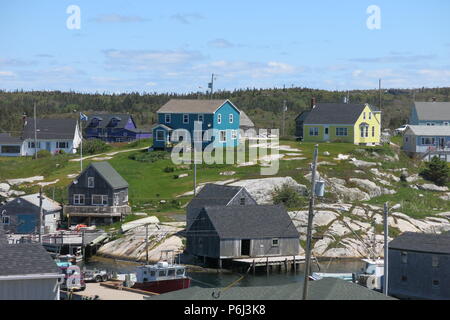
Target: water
(218, 280)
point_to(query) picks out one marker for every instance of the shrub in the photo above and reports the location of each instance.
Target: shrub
(289, 196)
(437, 171)
(44, 154)
(169, 169)
(93, 146)
(149, 156)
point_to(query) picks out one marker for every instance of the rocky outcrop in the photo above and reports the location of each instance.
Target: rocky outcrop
(432, 187)
(371, 188)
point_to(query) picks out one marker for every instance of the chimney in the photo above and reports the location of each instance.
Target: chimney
(313, 102)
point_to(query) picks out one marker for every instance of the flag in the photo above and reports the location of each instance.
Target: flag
(83, 117)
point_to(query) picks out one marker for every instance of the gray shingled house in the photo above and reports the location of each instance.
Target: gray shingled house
(217, 195)
(99, 195)
(228, 232)
(27, 272)
(419, 266)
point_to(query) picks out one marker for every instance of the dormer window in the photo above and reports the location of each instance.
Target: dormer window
(90, 182)
(201, 117)
(219, 118)
(185, 118)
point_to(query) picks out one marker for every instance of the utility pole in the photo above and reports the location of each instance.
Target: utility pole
(386, 249)
(40, 215)
(35, 132)
(310, 223)
(284, 117)
(211, 86)
(146, 244)
(195, 176)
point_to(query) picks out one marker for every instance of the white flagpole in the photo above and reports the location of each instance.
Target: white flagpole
(81, 144)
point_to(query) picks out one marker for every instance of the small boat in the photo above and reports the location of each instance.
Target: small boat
(342, 276)
(165, 276)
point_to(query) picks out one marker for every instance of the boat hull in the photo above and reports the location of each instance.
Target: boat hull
(163, 286)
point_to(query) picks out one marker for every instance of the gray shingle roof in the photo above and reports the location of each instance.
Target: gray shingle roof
(3, 238)
(47, 203)
(106, 119)
(26, 259)
(111, 176)
(422, 242)
(6, 138)
(245, 121)
(50, 128)
(244, 222)
(433, 110)
(191, 106)
(429, 130)
(326, 289)
(334, 113)
(214, 195)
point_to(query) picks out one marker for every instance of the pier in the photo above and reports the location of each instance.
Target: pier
(268, 262)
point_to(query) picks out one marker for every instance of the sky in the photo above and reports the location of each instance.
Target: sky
(175, 46)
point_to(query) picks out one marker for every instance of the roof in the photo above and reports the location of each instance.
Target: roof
(260, 221)
(191, 106)
(214, 195)
(47, 203)
(160, 125)
(111, 176)
(325, 289)
(429, 130)
(106, 119)
(245, 121)
(432, 110)
(50, 128)
(335, 113)
(3, 238)
(26, 259)
(5, 138)
(302, 116)
(422, 242)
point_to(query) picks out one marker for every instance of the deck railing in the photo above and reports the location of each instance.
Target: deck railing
(106, 210)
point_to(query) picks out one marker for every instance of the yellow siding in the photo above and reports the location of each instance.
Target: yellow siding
(374, 122)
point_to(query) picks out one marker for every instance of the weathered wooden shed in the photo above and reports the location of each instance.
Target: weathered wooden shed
(228, 232)
(217, 195)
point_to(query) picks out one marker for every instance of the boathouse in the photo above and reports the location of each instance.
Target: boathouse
(99, 195)
(217, 195)
(231, 232)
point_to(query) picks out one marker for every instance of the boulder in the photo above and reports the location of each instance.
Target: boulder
(228, 173)
(4, 187)
(363, 164)
(372, 189)
(25, 180)
(432, 187)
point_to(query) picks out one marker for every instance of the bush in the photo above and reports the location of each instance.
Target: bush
(93, 146)
(169, 169)
(289, 196)
(437, 171)
(44, 154)
(149, 156)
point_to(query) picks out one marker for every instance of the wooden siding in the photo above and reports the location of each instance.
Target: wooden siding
(35, 289)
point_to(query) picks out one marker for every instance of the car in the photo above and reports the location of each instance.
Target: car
(402, 129)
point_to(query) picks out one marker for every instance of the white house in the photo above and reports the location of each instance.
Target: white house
(53, 135)
(10, 146)
(427, 141)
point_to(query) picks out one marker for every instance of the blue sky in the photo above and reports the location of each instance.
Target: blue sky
(174, 46)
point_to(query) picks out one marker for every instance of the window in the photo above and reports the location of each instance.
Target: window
(445, 123)
(62, 145)
(233, 134)
(404, 278)
(314, 132)
(152, 273)
(370, 115)
(428, 123)
(180, 272)
(160, 135)
(223, 136)
(78, 199)
(201, 117)
(341, 132)
(435, 261)
(10, 149)
(275, 242)
(161, 273)
(435, 283)
(219, 118)
(185, 118)
(171, 272)
(404, 255)
(242, 201)
(91, 182)
(168, 118)
(427, 141)
(230, 118)
(326, 130)
(364, 131)
(99, 200)
(5, 220)
(373, 131)
(31, 144)
(364, 115)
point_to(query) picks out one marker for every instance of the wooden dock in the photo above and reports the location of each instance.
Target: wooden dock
(269, 262)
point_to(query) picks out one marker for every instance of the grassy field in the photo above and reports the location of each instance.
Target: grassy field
(154, 190)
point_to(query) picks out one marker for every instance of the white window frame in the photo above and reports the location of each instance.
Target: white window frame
(167, 118)
(58, 144)
(219, 118)
(31, 145)
(364, 131)
(185, 118)
(104, 198)
(233, 134)
(89, 180)
(314, 132)
(224, 132)
(343, 133)
(277, 244)
(77, 199)
(8, 218)
(163, 132)
(230, 118)
(433, 141)
(201, 117)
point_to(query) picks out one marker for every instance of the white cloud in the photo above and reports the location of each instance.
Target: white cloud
(220, 43)
(117, 18)
(7, 74)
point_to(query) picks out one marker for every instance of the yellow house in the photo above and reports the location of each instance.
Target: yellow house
(341, 122)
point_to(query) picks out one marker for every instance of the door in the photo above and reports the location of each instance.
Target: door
(326, 133)
(442, 143)
(245, 247)
(48, 146)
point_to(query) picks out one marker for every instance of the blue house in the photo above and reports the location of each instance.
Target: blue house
(430, 114)
(427, 142)
(114, 128)
(219, 121)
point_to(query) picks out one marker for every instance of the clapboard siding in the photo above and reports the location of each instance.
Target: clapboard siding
(33, 289)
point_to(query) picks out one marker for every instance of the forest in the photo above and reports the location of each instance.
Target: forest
(263, 106)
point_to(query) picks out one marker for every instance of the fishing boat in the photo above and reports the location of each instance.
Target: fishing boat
(164, 276)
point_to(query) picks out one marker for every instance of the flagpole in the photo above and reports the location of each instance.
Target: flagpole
(81, 144)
